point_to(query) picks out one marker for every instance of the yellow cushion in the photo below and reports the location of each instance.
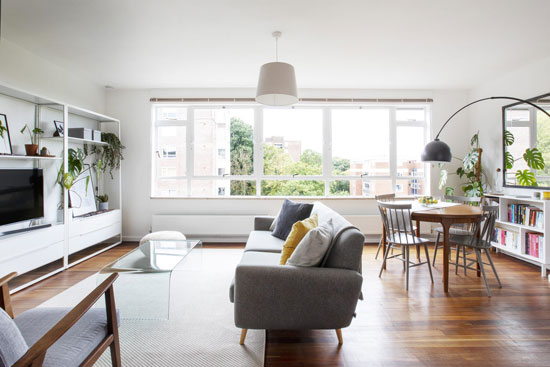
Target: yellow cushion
(298, 231)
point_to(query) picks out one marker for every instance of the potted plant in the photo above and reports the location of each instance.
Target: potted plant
(103, 201)
(110, 154)
(32, 148)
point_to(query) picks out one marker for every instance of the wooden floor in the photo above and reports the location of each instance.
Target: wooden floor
(424, 327)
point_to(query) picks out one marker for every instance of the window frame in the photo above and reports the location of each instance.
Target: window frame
(258, 138)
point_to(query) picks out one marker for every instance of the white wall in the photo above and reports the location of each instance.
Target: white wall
(133, 108)
(23, 70)
(528, 81)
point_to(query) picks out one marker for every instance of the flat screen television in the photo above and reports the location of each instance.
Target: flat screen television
(21, 195)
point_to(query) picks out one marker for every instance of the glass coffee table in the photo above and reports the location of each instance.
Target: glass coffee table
(142, 290)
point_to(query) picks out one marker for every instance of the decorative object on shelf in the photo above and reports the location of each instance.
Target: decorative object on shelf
(44, 152)
(81, 195)
(5, 141)
(110, 154)
(58, 128)
(277, 81)
(103, 201)
(497, 182)
(96, 135)
(439, 152)
(32, 148)
(80, 133)
(470, 170)
(533, 159)
(546, 195)
(536, 195)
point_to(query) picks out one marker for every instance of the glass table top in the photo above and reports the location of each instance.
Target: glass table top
(157, 256)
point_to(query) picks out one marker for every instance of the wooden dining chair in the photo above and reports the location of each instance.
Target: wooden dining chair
(480, 244)
(459, 229)
(382, 198)
(55, 337)
(400, 234)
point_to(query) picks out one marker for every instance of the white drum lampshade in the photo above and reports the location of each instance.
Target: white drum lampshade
(277, 85)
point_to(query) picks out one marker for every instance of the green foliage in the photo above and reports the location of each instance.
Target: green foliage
(508, 138)
(442, 178)
(74, 169)
(102, 198)
(33, 134)
(449, 191)
(2, 129)
(526, 178)
(470, 160)
(474, 141)
(534, 159)
(109, 155)
(508, 160)
(473, 189)
(242, 157)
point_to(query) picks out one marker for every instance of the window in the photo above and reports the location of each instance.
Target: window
(352, 150)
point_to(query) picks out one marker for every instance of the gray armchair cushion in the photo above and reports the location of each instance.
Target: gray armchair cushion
(255, 258)
(75, 345)
(291, 213)
(12, 343)
(263, 241)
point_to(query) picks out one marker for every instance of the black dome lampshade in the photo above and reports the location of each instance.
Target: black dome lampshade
(436, 151)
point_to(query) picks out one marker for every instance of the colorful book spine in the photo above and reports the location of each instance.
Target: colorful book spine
(533, 244)
(526, 215)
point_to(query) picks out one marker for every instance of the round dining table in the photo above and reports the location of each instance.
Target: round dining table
(446, 214)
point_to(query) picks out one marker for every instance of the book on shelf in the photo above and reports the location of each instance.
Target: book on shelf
(506, 238)
(526, 215)
(534, 243)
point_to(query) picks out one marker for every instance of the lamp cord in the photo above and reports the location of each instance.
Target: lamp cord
(277, 49)
(485, 99)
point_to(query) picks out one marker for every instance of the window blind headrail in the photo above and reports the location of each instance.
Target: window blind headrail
(307, 100)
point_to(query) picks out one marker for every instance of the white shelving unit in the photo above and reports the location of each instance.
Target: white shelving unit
(520, 251)
(73, 240)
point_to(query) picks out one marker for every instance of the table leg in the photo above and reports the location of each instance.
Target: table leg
(446, 252)
(418, 235)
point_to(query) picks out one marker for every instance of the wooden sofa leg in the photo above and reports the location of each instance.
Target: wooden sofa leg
(339, 335)
(243, 336)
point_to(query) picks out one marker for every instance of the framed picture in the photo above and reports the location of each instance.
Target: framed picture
(5, 141)
(58, 128)
(81, 198)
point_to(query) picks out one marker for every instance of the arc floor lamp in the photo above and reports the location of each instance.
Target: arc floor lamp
(438, 151)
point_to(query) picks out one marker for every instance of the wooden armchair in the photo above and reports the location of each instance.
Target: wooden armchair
(58, 336)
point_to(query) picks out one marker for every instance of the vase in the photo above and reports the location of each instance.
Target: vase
(31, 149)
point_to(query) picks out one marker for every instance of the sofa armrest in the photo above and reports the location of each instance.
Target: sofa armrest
(263, 222)
(288, 297)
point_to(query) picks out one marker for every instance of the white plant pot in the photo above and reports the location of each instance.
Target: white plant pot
(104, 206)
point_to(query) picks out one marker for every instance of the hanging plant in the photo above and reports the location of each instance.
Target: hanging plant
(110, 155)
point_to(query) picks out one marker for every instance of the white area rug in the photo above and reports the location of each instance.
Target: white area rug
(200, 331)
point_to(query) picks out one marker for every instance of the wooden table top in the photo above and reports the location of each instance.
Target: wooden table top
(454, 211)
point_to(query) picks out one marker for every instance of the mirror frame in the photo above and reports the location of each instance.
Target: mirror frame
(504, 184)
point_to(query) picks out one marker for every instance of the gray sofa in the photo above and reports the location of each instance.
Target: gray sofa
(272, 296)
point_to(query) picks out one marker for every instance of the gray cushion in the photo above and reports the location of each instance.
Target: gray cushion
(12, 343)
(254, 258)
(263, 241)
(75, 345)
(313, 247)
(291, 213)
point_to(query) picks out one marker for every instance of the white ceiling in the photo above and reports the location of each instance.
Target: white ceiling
(332, 44)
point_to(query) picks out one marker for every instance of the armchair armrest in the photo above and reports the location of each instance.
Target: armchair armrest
(36, 354)
(5, 300)
(263, 222)
(288, 297)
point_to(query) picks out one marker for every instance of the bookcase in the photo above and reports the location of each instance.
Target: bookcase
(520, 229)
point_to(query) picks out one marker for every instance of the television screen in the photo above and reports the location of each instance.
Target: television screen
(21, 195)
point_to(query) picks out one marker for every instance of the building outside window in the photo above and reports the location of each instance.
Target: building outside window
(313, 150)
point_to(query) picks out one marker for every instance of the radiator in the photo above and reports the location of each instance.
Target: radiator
(235, 228)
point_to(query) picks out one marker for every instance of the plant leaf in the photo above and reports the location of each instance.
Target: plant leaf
(449, 191)
(526, 178)
(442, 178)
(68, 180)
(534, 158)
(470, 160)
(508, 138)
(87, 183)
(475, 139)
(509, 160)
(460, 172)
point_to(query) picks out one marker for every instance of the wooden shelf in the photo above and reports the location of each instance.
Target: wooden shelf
(75, 140)
(529, 228)
(30, 157)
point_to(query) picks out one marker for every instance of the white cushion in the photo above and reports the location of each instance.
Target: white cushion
(163, 236)
(12, 343)
(313, 247)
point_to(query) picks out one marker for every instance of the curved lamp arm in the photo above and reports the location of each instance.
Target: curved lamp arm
(485, 99)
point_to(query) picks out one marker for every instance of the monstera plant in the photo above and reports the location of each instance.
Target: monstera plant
(532, 157)
(470, 170)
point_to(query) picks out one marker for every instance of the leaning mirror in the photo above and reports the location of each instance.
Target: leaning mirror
(526, 144)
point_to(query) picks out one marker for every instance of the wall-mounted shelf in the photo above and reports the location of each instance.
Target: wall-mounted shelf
(30, 157)
(75, 140)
